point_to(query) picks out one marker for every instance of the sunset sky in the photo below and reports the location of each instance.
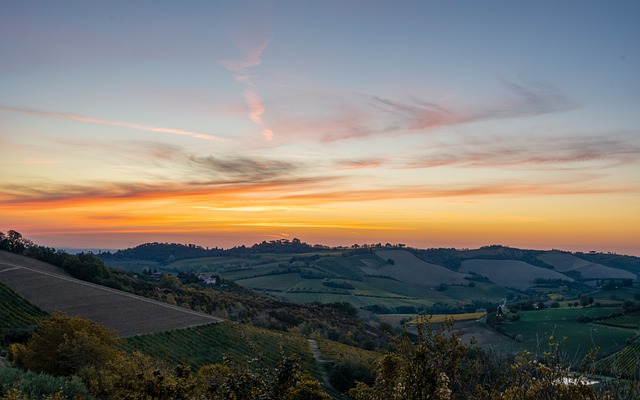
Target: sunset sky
(220, 123)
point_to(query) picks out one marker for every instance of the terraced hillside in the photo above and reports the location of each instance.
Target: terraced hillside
(51, 289)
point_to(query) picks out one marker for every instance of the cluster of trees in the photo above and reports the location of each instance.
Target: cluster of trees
(85, 266)
(162, 253)
(165, 253)
(74, 347)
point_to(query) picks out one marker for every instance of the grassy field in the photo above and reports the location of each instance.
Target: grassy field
(208, 344)
(537, 327)
(50, 289)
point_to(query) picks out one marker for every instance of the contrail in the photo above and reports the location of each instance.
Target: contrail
(128, 125)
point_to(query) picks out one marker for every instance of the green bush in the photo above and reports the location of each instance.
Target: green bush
(34, 385)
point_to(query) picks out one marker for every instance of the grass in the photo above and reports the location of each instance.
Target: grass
(537, 328)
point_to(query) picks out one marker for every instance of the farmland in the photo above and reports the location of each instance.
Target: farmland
(15, 312)
(629, 320)
(209, 344)
(510, 273)
(439, 318)
(51, 289)
(624, 363)
(536, 329)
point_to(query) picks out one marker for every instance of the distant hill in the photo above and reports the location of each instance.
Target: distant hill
(565, 262)
(409, 269)
(511, 273)
(165, 253)
(50, 288)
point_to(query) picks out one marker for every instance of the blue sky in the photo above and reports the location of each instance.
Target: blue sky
(433, 123)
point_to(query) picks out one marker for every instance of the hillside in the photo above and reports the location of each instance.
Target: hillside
(564, 262)
(409, 269)
(509, 273)
(51, 289)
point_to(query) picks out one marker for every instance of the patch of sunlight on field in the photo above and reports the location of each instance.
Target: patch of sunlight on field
(438, 318)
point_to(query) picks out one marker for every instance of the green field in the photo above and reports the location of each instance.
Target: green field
(208, 344)
(576, 339)
(278, 283)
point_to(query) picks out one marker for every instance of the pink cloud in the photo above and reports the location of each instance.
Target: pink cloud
(318, 115)
(252, 45)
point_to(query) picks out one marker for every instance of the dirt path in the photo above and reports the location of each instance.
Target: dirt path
(321, 362)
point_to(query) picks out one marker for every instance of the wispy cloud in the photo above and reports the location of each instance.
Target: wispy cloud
(339, 116)
(252, 44)
(561, 152)
(363, 163)
(501, 189)
(119, 124)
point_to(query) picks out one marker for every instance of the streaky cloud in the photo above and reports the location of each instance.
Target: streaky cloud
(364, 163)
(119, 124)
(562, 152)
(503, 189)
(391, 117)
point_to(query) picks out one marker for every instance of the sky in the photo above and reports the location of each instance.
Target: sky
(221, 123)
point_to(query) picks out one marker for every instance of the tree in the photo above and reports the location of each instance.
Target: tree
(65, 345)
(584, 300)
(426, 370)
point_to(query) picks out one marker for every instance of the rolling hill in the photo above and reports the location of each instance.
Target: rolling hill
(510, 273)
(51, 289)
(409, 269)
(564, 262)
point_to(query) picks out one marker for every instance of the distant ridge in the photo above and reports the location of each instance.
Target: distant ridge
(52, 289)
